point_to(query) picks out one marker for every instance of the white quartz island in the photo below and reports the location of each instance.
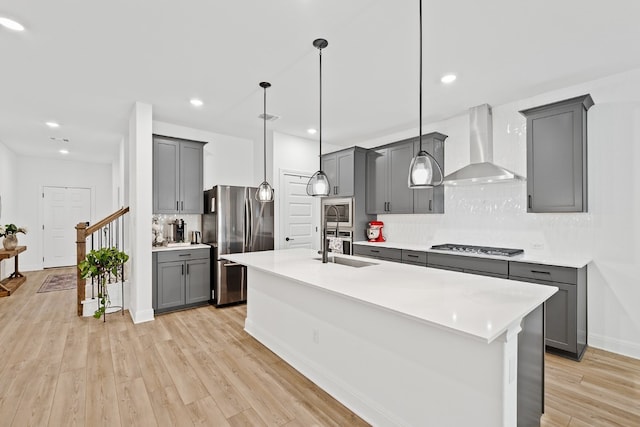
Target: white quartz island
(400, 344)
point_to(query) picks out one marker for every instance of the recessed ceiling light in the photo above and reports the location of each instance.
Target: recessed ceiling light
(55, 138)
(448, 78)
(63, 151)
(53, 124)
(196, 102)
(11, 24)
(312, 131)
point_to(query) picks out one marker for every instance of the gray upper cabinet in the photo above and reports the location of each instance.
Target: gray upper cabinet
(387, 178)
(387, 173)
(557, 156)
(177, 176)
(343, 169)
(431, 200)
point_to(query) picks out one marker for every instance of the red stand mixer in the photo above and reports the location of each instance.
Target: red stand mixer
(374, 231)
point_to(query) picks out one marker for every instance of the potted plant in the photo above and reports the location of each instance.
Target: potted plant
(9, 232)
(105, 264)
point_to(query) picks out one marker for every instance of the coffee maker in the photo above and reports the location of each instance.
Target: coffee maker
(374, 231)
(179, 230)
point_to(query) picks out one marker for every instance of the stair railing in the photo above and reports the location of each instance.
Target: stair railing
(108, 232)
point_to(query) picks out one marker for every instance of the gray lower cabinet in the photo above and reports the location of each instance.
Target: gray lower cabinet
(557, 156)
(345, 170)
(177, 176)
(181, 278)
(388, 175)
(566, 311)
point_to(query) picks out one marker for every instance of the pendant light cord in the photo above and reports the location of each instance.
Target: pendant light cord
(420, 91)
(320, 130)
(265, 135)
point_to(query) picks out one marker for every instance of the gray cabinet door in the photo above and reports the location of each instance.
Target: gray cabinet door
(561, 317)
(191, 178)
(557, 156)
(166, 182)
(400, 195)
(377, 172)
(170, 286)
(198, 285)
(330, 168)
(346, 171)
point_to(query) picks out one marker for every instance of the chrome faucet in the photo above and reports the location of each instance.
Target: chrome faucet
(325, 249)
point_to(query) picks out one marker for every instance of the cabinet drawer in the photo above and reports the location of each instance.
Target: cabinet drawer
(493, 267)
(182, 255)
(414, 257)
(389, 254)
(551, 273)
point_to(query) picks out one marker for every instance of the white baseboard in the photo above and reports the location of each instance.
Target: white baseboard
(614, 345)
(142, 316)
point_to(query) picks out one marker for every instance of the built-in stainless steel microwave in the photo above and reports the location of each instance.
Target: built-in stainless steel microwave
(342, 215)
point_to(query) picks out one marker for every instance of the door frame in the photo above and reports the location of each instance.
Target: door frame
(280, 207)
(92, 210)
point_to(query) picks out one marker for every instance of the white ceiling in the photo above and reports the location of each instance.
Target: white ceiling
(84, 63)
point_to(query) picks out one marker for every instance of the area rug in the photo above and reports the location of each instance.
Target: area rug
(58, 282)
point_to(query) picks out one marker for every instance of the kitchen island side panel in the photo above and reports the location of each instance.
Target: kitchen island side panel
(388, 368)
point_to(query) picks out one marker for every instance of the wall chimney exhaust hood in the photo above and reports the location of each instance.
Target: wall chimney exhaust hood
(482, 170)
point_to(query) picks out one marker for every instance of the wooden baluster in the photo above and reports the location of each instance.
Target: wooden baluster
(81, 253)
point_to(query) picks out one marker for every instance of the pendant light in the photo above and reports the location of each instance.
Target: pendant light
(265, 191)
(424, 172)
(318, 184)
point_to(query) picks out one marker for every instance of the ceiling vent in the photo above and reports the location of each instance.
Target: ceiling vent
(54, 138)
(268, 117)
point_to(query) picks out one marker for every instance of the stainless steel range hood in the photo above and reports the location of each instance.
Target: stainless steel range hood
(482, 170)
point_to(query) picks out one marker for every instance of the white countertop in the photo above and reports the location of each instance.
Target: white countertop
(179, 248)
(560, 261)
(479, 306)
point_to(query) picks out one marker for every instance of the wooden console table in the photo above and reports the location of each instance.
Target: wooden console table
(13, 282)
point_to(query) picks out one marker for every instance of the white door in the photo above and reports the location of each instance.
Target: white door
(299, 219)
(64, 208)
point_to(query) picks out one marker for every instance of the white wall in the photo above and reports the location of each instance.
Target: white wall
(35, 173)
(496, 214)
(8, 198)
(140, 155)
(228, 160)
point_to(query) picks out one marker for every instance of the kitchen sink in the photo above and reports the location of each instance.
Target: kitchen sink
(348, 261)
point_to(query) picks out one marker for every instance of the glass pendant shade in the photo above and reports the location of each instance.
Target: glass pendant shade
(264, 193)
(318, 184)
(424, 171)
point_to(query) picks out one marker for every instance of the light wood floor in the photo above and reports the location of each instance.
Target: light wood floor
(199, 367)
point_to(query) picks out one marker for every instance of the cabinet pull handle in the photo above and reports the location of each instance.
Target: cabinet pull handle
(541, 272)
(185, 254)
(430, 203)
(177, 205)
(375, 251)
(388, 206)
(529, 200)
(337, 189)
(182, 270)
(412, 256)
(187, 268)
(182, 205)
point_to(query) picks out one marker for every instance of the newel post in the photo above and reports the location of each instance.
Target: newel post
(81, 251)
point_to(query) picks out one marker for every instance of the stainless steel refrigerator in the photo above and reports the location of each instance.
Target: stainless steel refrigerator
(234, 222)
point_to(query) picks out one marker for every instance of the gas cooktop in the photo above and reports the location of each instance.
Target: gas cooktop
(483, 250)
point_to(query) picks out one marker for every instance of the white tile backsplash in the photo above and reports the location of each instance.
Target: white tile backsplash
(493, 215)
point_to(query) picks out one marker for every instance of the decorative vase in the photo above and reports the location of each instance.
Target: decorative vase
(10, 242)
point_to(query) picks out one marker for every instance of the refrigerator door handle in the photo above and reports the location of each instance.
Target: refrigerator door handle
(250, 222)
(245, 241)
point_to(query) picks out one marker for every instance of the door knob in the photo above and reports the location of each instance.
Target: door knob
(287, 239)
